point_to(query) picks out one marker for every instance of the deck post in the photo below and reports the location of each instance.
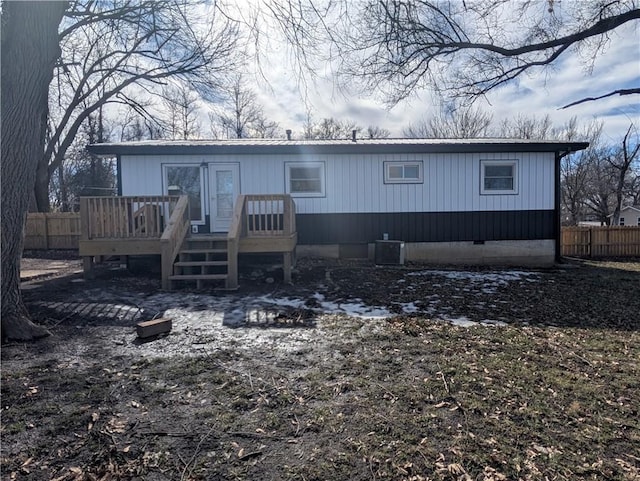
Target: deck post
(232, 263)
(87, 267)
(287, 258)
(166, 261)
(87, 261)
(287, 213)
(233, 242)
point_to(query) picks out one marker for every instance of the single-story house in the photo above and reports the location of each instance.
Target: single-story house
(471, 201)
(629, 215)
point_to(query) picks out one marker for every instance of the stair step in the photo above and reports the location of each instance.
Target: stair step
(203, 251)
(208, 238)
(205, 245)
(197, 277)
(200, 263)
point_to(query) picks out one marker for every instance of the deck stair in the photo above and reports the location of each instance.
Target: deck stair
(202, 259)
(161, 225)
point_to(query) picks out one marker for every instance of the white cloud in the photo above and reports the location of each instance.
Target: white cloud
(540, 93)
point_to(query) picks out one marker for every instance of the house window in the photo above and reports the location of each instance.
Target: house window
(499, 176)
(621, 221)
(403, 172)
(186, 180)
(305, 179)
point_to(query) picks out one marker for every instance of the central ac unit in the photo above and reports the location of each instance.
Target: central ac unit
(389, 252)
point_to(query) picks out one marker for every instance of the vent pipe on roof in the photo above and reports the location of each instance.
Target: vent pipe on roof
(288, 134)
(353, 135)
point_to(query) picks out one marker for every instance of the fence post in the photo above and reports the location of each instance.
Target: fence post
(46, 232)
(590, 253)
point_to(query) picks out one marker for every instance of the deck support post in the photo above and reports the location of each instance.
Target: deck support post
(166, 262)
(287, 259)
(232, 263)
(87, 267)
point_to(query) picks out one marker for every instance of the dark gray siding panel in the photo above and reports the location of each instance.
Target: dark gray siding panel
(426, 226)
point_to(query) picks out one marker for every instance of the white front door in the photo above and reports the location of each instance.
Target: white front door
(224, 188)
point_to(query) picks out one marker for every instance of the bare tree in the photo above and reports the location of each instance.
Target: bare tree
(452, 123)
(241, 115)
(139, 126)
(376, 132)
(460, 48)
(181, 112)
(113, 51)
(331, 129)
(264, 128)
(527, 127)
(634, 188)
(600, 195)
(622, 165)
(29, 49)
(575, 168)
(83, 173)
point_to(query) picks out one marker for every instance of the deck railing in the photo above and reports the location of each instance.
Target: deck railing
(269, 215)
(173, 237)
(258, 216)
(125, 217)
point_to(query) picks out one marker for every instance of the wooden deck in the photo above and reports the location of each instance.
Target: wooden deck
(128, 226)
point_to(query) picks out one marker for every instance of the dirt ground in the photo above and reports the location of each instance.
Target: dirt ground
(353, 372)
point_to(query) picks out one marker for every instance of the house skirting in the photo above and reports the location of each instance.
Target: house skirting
(361, 228)
(531, 253)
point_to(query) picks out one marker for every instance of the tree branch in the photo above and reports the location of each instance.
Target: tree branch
(610, 94)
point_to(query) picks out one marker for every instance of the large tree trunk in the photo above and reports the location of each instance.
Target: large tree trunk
(43, 204)
(29, 51)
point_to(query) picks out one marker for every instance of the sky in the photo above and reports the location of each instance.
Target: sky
(539, 94)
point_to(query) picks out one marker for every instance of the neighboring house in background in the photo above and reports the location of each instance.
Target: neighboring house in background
(629, 216)
(472, 201)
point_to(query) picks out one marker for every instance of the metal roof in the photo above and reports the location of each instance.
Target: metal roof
(359, 146)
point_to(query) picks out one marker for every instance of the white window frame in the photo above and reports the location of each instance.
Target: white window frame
(621, 221)
(388, 179)
(491, 162)
(312, 165)
(203, 192)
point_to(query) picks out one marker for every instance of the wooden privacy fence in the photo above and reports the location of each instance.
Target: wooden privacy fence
(607, 241)
(53, 230)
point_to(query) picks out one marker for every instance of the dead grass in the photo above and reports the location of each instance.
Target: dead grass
(412, 400)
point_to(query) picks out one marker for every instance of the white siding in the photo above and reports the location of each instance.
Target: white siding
(355, 183)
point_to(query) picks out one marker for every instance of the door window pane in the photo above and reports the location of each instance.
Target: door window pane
(224, 193)
(186, 180)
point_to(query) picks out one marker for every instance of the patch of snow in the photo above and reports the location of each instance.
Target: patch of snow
(489, 279)
(461, 321)
(356, 308)
(466, 322)
(282, 301)
(409, 307)
(493, 322)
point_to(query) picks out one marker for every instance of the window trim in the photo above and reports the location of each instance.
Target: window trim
(621, 221)
(316, 164)
(393, 163)
(499, 162)
(165, 187)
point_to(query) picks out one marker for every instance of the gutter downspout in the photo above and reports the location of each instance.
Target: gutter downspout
(557, 201)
